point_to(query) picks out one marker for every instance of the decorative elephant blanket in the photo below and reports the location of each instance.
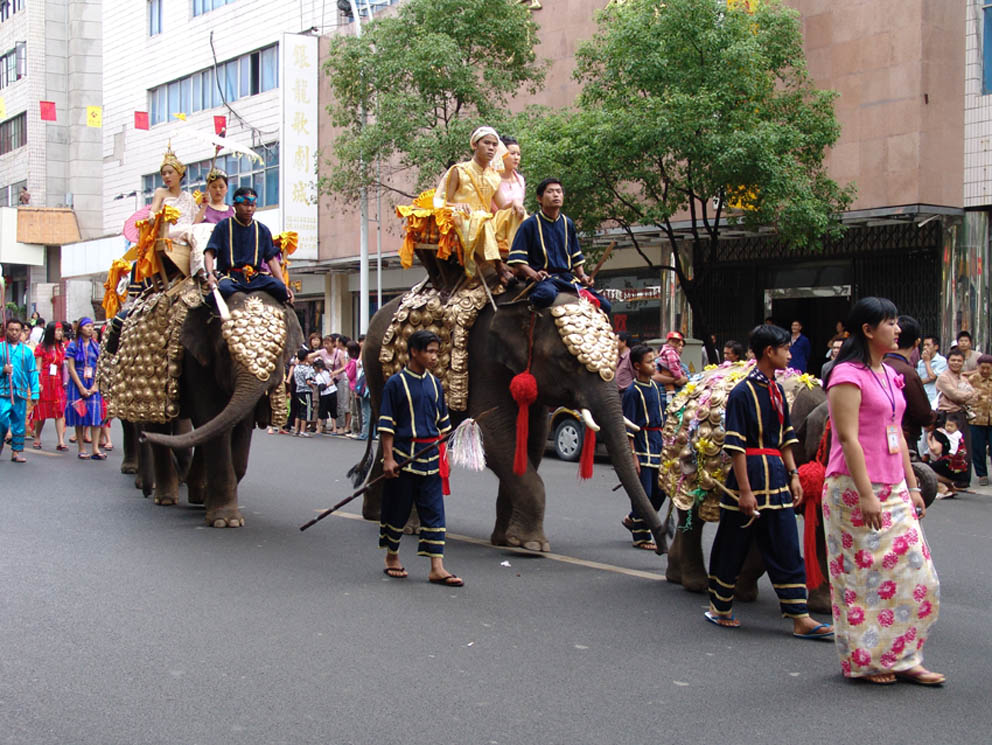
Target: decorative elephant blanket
(141, 382)
(425, 308)
(588, 335)
(693, 463)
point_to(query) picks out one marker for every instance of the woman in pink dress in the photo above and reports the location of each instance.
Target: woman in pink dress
(883, 584)
(510, 193)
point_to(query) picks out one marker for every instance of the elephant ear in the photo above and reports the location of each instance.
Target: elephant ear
(196, 334)
(294, 333)
(508, 335)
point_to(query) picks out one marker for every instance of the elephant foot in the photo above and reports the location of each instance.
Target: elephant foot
(695, 582)
(166, 500)
(129, 467)
(225, 518)
(746, 592)
(532, 543)
(673, 572)
(819, 599)
(195, 494)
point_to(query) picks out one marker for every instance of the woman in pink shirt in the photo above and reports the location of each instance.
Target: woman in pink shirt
(512, 189)
(883, 584)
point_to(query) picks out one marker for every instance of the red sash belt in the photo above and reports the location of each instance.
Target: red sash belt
(652, 429)
(763, 451)
(444, 468)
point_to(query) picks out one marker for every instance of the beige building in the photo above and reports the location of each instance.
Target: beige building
(916, 130)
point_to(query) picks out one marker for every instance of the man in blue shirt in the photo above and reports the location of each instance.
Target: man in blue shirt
(799, 348)
(546, 250)
(18, 383)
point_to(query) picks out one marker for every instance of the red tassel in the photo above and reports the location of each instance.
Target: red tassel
(523, 388)
(588, 453)
(444, 468)
(586, 295)
(811, 476)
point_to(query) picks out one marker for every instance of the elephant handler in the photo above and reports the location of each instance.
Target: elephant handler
(236, 250)
(546, 251)
(413, 415)
(644, 405)
(759, 440)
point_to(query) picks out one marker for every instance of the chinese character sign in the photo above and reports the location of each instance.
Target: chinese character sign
(298, 146)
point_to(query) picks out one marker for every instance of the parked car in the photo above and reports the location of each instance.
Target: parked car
(565, 433)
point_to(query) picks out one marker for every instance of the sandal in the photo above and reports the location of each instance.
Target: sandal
(98, 456)
(451, 580)
(83, 456)
(921, 676)
(395, 572)
(647, 546)
(714, 619)
(18, 458)
(36, 444)
(879, 679)
(62, 447)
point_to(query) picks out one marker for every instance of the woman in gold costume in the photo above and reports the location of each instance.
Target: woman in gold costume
(172, 194)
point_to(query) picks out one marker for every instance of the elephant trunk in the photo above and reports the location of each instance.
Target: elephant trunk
(247, 390)
(608, 414)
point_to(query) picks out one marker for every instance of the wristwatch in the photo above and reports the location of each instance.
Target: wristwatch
(794, 472)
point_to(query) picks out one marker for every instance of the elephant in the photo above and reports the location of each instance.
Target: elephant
(686, 565)
(497, 347)
(225, 394)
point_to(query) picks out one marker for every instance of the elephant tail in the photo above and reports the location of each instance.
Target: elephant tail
(360, 471)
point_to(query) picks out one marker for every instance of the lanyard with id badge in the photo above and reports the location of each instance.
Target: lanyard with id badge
(891, 429)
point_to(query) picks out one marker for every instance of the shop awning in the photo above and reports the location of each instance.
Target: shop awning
(47, 226)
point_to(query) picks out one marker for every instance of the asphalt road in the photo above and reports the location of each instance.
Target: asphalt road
(123, 622)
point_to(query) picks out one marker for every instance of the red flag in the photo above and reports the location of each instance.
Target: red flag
(48, 111)
(141, 120)
(220, 124)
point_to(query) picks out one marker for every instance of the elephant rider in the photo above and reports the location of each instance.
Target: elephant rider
(546, 251)
(760, 440)
(237, 248)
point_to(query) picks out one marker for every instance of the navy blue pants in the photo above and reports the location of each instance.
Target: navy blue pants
(545, 292)
(981, 441)
(778, 541)
(229, 285)
(398, 497)
(639, 529)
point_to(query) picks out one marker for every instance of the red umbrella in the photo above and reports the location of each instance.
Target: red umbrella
(130, 226)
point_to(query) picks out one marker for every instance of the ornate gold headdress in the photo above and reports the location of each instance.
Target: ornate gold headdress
(216, 173)
(170, 159)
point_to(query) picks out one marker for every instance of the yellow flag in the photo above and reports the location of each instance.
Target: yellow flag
(94, 116)
(3, 109)
(180, 116)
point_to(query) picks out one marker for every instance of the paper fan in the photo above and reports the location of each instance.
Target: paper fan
(130, 226)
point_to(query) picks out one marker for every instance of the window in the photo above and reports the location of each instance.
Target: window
(204, 6)
(4, 10)
(247, 75)
(13, 64)
(240, 170)
(154, 17)
(13, 133)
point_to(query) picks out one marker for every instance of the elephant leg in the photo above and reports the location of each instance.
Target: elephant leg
(372, 499)
(196, 478)
(691, 567)
(241, 447)
(819, 599)
(522, 496)
(166, 478)
(145, 478)
(182, 456)
(129, 464)
(222, 484)
(747, 581)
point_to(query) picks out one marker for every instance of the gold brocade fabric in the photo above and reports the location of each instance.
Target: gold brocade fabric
(452, 321)
(981, 405)
(477, 230)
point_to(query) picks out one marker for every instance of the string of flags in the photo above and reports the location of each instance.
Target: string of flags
(94, 117)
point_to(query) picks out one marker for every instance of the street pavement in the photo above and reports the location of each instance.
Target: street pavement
(123, 622)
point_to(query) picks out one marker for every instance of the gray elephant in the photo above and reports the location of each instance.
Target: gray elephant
(497, 350)
(232, 373)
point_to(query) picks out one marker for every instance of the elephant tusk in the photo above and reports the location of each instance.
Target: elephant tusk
(630, 425)
(588, 420)
(222, 308)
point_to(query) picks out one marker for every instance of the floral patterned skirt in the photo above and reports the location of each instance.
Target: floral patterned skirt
(883, 585)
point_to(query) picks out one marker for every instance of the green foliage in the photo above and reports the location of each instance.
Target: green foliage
(686, 104)
(410, 91)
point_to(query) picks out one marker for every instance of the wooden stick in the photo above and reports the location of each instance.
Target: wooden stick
(602, 259)
(381, 476)
(524, 291)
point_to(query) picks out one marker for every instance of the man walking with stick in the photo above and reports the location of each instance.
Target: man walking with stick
(413, 414)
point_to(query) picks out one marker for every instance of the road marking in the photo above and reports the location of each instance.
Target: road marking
(641, 574)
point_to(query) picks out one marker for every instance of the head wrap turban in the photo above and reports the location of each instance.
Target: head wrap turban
(81, 342)
(170, 159)
(481, 132)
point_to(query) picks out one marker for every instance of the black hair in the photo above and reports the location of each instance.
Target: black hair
(936, 339)
(868, 310)
(909, 332)
(48, 340)
(39, 321)
(318, 363)
(18, 321)
(244, 191)
(638, 353)
(962, 334)
(736, 347)
(353, 348)
(419, 340)
(507, 141)
(545, 184)
(361, 337)
(767, 335)
(941, 419)
(625, 337)
(302, 355)
(984, 359)
(955, 350)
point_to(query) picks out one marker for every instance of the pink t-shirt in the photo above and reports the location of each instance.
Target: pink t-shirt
(878, 397)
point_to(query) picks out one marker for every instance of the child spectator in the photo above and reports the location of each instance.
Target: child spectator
(303, 376)
(948, 454)
(353, 420)
(668, 372)
(328, 398)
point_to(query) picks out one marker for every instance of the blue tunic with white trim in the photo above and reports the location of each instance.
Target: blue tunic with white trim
(546, 244)
(413, 408)
(643, 404)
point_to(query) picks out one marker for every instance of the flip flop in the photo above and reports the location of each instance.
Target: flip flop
(452, 580)
(400, 572)
(62, 447)
(99, 456)
(713, 618)
(83, 456)
(921, 679)
(647, 546)
(36, 445)
(18, 459)
(811, 634)
(873, 680)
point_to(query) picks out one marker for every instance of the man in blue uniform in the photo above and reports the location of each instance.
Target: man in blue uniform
(765, 484)
(643, 404)
(545, 250)
(237, 248)
(18, 383)
(412, 416)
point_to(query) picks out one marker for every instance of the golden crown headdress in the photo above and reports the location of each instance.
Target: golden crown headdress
(170, 159)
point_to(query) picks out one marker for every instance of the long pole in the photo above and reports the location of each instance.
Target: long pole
(363, 239)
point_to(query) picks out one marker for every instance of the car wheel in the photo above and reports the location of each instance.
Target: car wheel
(568, 439)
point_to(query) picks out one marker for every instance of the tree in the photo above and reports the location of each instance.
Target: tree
(692, 108)
(409, 92)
